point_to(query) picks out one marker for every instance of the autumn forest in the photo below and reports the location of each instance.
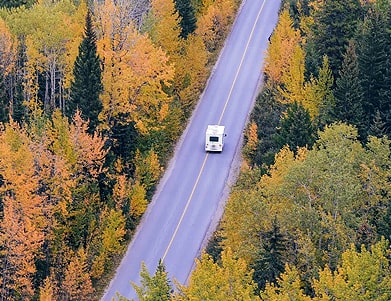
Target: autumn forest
(93, 97)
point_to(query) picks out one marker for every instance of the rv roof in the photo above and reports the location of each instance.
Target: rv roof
(215, 129)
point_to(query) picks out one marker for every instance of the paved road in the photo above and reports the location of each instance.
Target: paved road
(194, 187)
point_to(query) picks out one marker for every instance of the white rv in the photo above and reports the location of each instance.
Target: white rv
(214, 138)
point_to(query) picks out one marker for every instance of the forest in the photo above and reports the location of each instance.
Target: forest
(91, 98)
(309, 215)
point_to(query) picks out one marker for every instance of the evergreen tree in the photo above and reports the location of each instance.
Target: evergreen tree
(374, 51)
(378, 126)
(87, 84)
(266, 115)
(156, 287)
(270, 263)
(296, 129)
(16, 3)
(188, 21)
(4, 110)
(348, 94)
(334, 25)
(324, 92)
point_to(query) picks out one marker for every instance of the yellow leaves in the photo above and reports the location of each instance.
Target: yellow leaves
(213, 25)
(134, 73)
(232, 280)
(52, 33)
(163, 27)
(148, 168)
(282, 50)
(138, 201)
(287, 289)
(361, 276)
(250, 147)
(124, 191)
(89, 149)
(21, 239)
(293, 77)
(7, 49)
(112, 232)
(191, 72)
(17, 168)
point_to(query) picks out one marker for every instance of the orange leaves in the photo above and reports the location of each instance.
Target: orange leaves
(40, 170)
(77, 283)
(89, 149)
(22, 219)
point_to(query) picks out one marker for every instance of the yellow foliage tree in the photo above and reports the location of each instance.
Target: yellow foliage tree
(148, 169)
(292, 88)
(191, 72)
(362, 276)
(108, 241)
(288, 288)
(52, 32)
(7, 64)
(250, 147)
(46, 292)
(230, 281)
(213, 24)
(282, 49)
(163, 27)
(134, 73)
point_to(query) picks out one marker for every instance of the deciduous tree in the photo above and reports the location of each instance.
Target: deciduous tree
(134, 73)
(7, 67)
(22, 219)
(77, 285)
(283, 44)
(211, 281)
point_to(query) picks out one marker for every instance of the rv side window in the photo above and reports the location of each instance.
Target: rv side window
(213, 139)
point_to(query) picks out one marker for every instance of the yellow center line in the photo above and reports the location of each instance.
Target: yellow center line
(207, 154)
(187, 205)
(241, 62)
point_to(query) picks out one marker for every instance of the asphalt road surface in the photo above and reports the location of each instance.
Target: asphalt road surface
(191, 194)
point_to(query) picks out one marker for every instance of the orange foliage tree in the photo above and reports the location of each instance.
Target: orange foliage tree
(22, 219)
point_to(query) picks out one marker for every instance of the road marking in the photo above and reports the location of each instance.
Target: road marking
(187, 205)
(207, 154)
(241, 62)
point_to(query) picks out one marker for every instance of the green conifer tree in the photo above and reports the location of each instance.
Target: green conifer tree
(87, 84)
(374, 51)
(348, 94)
(335, 24)
(188, 21)
(266, 115)
(16, 3)
(271, 260)
(155, 287)
(296, 128)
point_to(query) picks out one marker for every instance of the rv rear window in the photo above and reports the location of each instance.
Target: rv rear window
(213, 139)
